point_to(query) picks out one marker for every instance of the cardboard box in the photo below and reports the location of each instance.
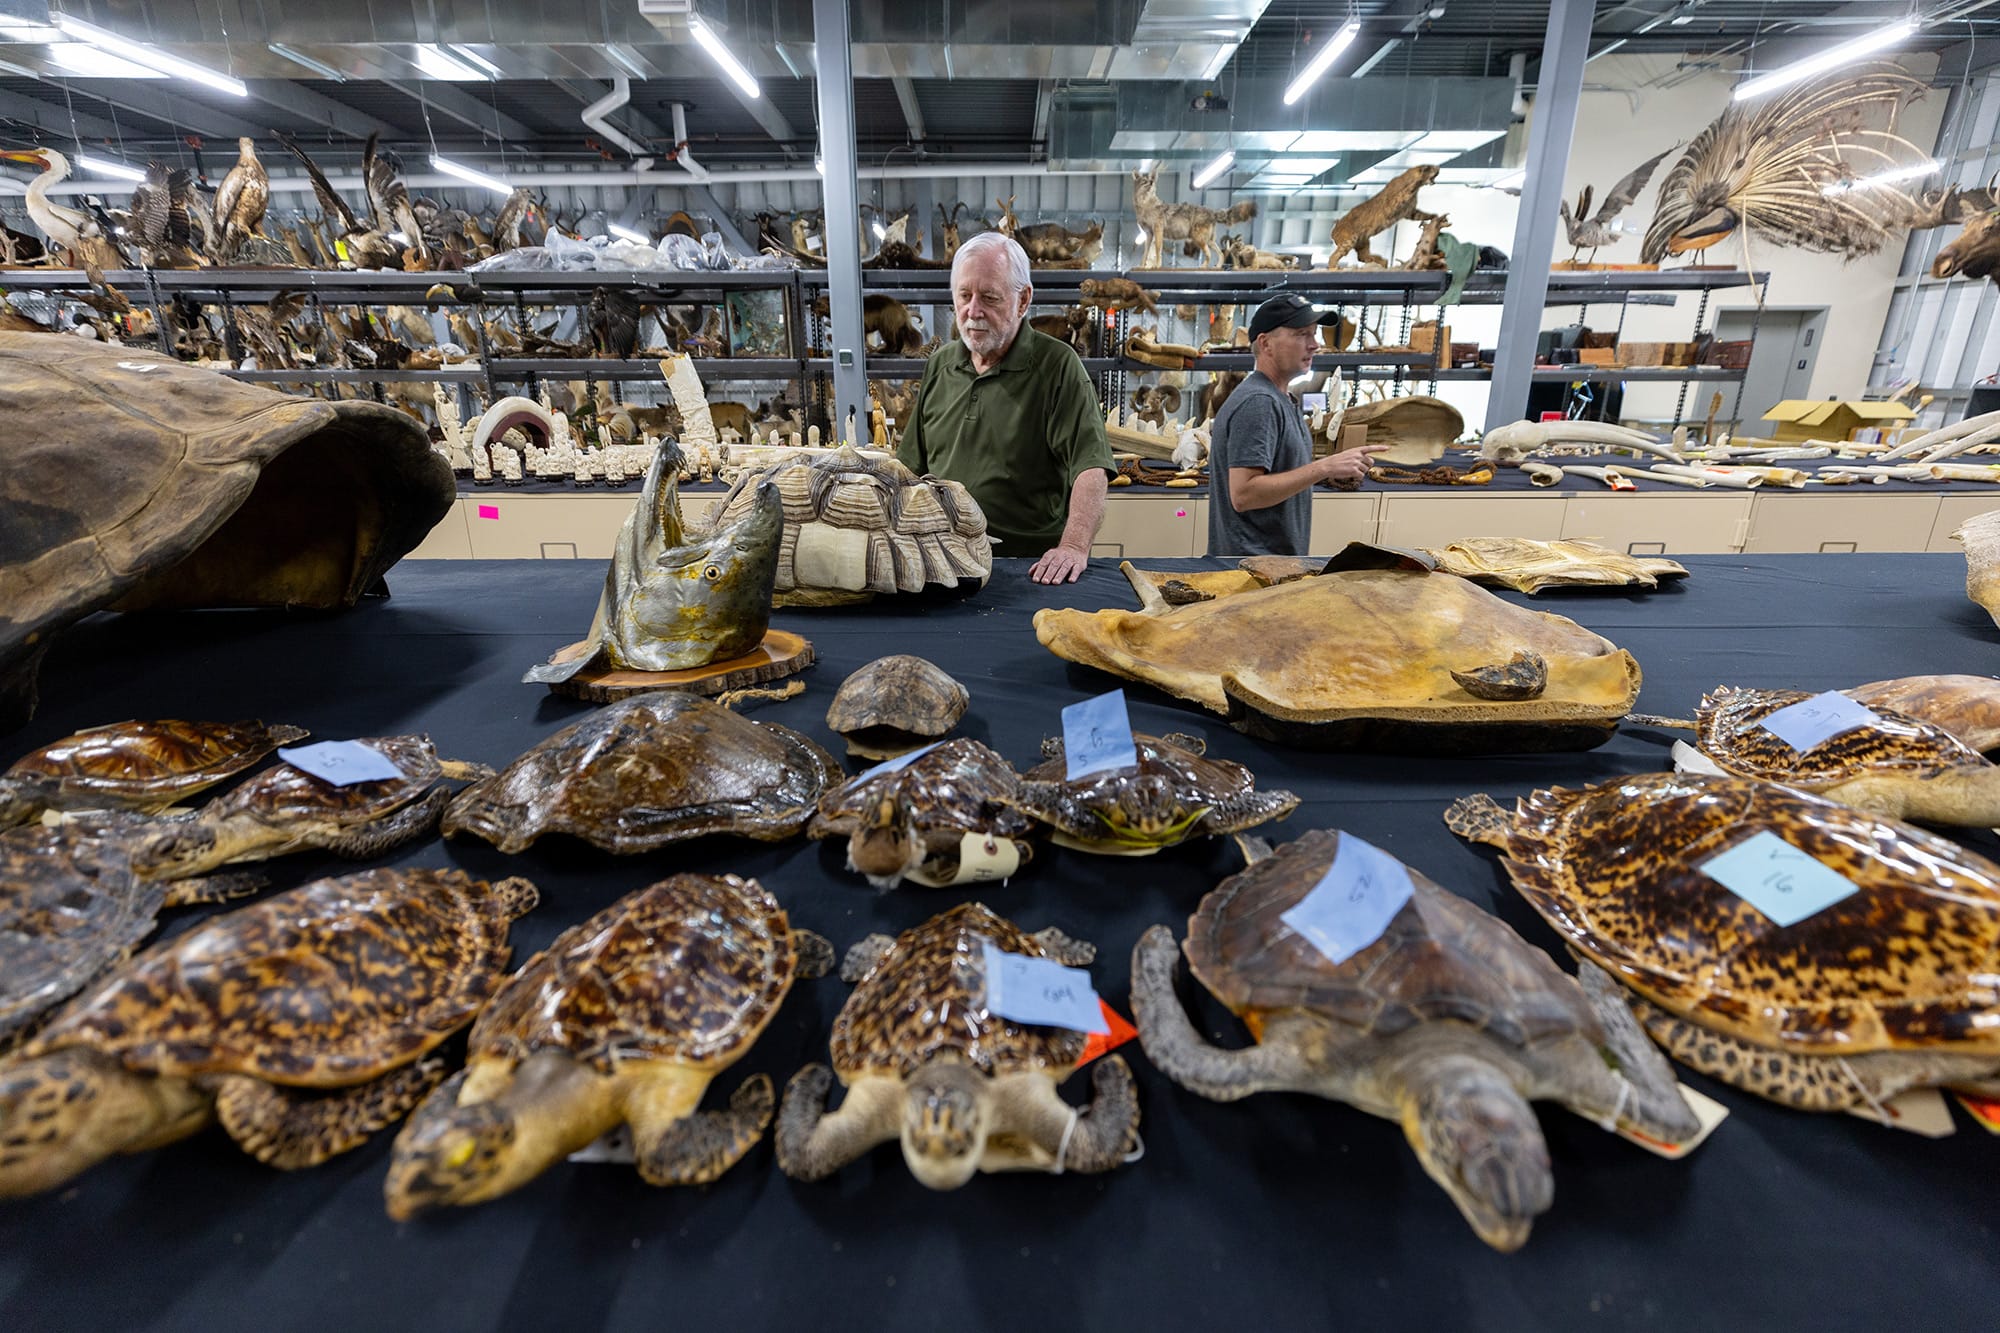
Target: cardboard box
(1598, 356)
(1430, 336)
(1833, 419)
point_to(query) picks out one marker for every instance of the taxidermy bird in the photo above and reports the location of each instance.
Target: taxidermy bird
(367, 247)
(1589, 231)
(516, 211)
(1767, 165)
(81, 234)
(389, 197)
(614, 321)
(164, 217)
(239, 203)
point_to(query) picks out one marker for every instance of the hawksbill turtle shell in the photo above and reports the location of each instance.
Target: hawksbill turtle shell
(1173, 794)
(300, 1022)
(1448, 1023)
(1887, 988)
(923, 820)
(70, 907)
(647, 771)
(895, 704)
(134, 765)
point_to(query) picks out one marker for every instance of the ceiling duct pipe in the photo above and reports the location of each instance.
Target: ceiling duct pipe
(1517, 70)
(594, 116)
(681, 154)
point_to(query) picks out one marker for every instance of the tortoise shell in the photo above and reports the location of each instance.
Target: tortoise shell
(904, 696)
(69, 908)
(136, 765)
(330, 984)
(688, 970)
(856, 526)
(927, 995)
(957, 787)
(1440, 959)
(1907, 961)
(1173, 791)
(647, 771)
(1729, 729)
(1966, 706)
(287, 795)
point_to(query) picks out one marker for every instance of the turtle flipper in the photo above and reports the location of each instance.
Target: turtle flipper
(1180, 740)
(290, 1128)
(812, 1144)
(517, 896)
(1172, 1043)
(863, 957)
(696, 1149)
(415, 820)
(1653, 1105)
(1095, 1138)
(815, 953)
(1069, 952)
(215, 888)
(1248, 810)
(1478, 818)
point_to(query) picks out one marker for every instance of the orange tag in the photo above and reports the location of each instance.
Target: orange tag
(1984, 1110)
(1100, 1044)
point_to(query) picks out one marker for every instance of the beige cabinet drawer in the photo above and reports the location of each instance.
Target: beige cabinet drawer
(1954, 510)
(1705, 524)
(1440, 520)
(1340, 519)
(544, 527)
(1149, 527)
(1841, 523)
(448, 540)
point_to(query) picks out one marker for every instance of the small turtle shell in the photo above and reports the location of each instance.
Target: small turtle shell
(901, 693)
(647, 771)
(1441, 959)
(959, 787)
(688, 970)
(1906, 962)
(69, 908)
(285, 794)
(1175, 763)
(328, 985)
(927, 995)
(1729, 729)
(128, 765)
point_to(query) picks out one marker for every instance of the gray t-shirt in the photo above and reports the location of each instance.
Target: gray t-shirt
(1260, 426)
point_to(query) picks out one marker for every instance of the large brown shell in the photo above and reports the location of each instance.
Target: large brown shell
(128, 765)
(69, 908)
(1966, 706)
(328, 985)
(288, 796)
(1440, 960)
(927, 995)
(647, 771)
(1729, 730)
(901, 693)
(1911, 960)
(688, 970)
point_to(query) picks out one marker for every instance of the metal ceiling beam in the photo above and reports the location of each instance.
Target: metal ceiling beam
(187, 116)
(913, 114)
(467, 110)
(319, 108)
(54, 118)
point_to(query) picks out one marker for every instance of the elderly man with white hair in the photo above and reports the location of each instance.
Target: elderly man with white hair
(1011, 414)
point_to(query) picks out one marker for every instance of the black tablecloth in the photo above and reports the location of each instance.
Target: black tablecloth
(1281, 1211)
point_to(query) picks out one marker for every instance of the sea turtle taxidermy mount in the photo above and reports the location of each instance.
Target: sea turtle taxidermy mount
(1887, 988)
(1173, 794)
(624, 1020)
(1362, 657)
(682, 610)
(141, 766)
(943, 818)
(1448, 1023)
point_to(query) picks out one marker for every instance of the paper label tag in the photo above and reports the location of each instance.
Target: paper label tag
(1707, 1110)
(1777, 878)
(1097, 736)
(896, 765)
(341, 763)
(1809, 721)
(986, 856)
(1042, 991)
(1354, 901)
(1920, 1111)
(1687, 759)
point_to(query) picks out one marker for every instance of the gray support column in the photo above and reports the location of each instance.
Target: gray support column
(1564, 49)
(843, 217)
(924, 235)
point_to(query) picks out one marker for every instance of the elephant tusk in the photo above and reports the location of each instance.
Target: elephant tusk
(1943, 434)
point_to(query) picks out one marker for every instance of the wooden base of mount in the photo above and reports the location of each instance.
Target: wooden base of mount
(781, 654)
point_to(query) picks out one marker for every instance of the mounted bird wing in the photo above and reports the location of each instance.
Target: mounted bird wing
(389, 197)
(152, 205)
(1626, 192)
(329, 198)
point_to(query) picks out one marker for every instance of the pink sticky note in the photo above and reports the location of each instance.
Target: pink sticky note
(489, 511)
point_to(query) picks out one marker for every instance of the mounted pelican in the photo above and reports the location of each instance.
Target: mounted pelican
(239, 204)
(72, 230)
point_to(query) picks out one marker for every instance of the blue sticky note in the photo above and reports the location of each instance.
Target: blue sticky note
(341, 763)
(1809, 721)
(1042, 991)
(1354, 901)
(896, 765)
(1097, 736)
(1776, 878)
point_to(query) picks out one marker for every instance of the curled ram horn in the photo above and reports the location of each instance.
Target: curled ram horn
(1930, 441)
(1516, 440)
(508, 413)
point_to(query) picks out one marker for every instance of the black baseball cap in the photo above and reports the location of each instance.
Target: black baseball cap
(1290, 311)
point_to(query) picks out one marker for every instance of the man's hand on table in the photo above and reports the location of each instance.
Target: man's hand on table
(1060, 564)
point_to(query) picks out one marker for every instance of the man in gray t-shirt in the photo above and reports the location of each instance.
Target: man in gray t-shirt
(1260, 460)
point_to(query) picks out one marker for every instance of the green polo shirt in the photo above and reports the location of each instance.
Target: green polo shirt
(1017, 437)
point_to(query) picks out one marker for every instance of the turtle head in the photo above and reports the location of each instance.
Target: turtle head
(64, 1112)
(23, 796)
(886, 847)
(1148, 812)
(448, 1154)
(1479, 1138)
(944, 1123)
(176, 850)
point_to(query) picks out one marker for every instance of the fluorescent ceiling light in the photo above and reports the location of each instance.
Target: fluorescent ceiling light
(636, 237)
(1320, 61)
(448, 65)
(17, 31)
(325, 71)
(1911, 172)
(150, 57)
(722, 56)
(105, 166)
(1833, 58)
(92, 63)
(1358, 141)
(1216, 65)
(477, 61)
(1513, 180)
(469, 176)
(1213, 169)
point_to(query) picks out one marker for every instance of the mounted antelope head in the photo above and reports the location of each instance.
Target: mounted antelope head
(1008, 223)
(951, 226)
